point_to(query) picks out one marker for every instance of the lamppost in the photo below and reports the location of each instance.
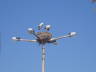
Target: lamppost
(42, 38)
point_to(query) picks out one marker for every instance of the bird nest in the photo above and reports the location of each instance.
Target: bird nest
(43, 37)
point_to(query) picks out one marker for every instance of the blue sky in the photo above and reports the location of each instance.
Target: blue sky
(77, 54)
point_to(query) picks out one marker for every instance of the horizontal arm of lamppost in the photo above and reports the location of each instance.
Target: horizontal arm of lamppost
(71, 34)
(20, 39)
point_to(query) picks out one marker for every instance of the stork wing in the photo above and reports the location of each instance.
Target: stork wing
(20, 39)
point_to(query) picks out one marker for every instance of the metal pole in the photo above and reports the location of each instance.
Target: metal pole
(43, 59)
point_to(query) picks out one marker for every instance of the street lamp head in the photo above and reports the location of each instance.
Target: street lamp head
(16, 38)
(40, 25)
(47, 27)
(30, 31)
(13, 38)
(71, 34)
